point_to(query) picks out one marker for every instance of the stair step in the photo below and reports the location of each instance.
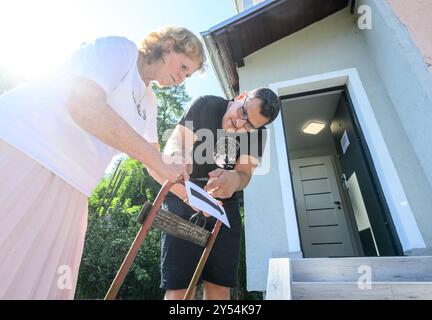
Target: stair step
(383, 269)
(352, 291)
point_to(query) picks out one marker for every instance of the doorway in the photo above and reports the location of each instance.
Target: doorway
(340, 207)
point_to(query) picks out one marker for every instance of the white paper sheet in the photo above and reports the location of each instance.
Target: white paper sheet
(200, 199)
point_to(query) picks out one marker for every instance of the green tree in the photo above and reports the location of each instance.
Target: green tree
(171, 102)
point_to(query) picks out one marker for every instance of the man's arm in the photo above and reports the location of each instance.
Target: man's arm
(180, 143)
(181, 139)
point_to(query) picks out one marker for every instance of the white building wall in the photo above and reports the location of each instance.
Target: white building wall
(407, 80)
(264, 223)
(332, 44)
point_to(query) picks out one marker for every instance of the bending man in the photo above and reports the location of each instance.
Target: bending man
(224, 141)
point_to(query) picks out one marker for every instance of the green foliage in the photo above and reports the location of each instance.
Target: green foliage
(171, 102)
(109, 237)
(138, 186)
(110, 234)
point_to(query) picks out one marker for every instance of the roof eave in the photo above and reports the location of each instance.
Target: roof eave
(218, 65)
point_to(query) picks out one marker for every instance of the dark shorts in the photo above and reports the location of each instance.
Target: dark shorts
(179, 258)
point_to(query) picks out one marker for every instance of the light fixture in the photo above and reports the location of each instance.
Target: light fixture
(313, 127)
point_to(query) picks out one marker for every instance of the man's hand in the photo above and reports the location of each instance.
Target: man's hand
(222, 183)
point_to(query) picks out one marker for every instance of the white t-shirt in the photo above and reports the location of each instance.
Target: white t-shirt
(35, 120)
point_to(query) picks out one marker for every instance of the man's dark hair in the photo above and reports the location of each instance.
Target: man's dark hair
(270, 102)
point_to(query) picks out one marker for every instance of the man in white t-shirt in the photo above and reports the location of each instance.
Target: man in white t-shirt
(57, 136)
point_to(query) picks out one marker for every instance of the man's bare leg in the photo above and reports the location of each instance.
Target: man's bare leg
(215, 292)
(177, 294)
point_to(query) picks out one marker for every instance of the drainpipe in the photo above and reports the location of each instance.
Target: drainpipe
(217, 64)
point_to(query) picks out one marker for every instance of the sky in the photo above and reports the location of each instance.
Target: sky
(38, 35)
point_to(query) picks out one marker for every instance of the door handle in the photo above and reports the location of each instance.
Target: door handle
(339, 204)
(344, 181)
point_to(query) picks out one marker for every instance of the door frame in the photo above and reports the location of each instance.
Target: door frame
(400, 210)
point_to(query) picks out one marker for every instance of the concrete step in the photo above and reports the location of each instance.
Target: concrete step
(352, 291)
(381, 269)
(350, 278)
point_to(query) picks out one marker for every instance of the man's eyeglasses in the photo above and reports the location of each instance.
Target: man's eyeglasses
(243, 114)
